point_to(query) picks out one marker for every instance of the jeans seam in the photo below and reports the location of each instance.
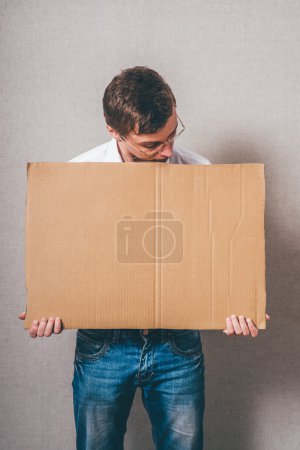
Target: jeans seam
(96, 357)
(116, 336)
(152, 424)
(196, 351)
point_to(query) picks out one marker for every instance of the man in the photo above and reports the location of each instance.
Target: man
(168, 365)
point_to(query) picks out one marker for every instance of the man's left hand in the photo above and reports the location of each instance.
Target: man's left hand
(241, 326)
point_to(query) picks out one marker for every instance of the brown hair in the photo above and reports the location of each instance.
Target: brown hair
(138, 99)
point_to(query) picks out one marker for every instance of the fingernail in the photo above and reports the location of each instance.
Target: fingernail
(233, 316)
(35, 322)
(248, 319)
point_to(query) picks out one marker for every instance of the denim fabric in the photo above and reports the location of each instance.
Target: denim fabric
(109, 365)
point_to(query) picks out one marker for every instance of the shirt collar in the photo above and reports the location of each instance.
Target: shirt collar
(112, 152)
(113, 155)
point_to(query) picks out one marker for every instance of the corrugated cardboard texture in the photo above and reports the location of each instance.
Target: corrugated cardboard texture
(147, 245)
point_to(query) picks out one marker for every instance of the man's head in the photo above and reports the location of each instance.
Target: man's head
(140, 112)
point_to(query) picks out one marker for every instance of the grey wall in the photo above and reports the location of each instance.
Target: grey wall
(234, 68)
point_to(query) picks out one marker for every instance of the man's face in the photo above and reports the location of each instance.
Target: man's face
(135, 146)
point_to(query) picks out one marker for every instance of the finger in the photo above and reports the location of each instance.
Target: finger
(230, 329)
(268, 317)
(57, 326)
(244, 326)
(49, 327)
(41, 328)
(236, 325)
(226, 332)
(252, 328)
(22, 315)
(33, 329)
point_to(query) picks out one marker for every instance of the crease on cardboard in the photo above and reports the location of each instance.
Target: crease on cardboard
(212, 239)
(206, 185)
(241, 219)
(208, 200)
(208, 204)
(223, 244)
(157, 241)
(262, 324)
(256, 312)
(242, 199)
(239, 222)
(242, 204)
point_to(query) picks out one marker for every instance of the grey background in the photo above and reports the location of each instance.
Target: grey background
(234, 69)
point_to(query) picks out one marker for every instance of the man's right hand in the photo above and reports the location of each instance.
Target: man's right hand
(43, 327)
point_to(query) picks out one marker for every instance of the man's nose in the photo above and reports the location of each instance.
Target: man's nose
(167, 150)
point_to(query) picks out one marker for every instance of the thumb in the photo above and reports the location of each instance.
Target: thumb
(22, 315)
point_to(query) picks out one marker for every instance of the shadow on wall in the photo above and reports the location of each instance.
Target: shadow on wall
(252, 384)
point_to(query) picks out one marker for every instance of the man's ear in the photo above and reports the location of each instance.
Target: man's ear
(113, 132)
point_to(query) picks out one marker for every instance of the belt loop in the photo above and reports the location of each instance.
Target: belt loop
(116, 336)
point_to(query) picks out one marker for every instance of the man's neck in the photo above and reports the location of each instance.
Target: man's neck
(124, 153)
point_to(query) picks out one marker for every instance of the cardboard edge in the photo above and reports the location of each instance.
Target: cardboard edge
(262, 325)
(29, 165)
(26, 320)
(27, 324)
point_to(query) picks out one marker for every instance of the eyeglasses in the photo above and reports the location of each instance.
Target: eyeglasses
(157, 148)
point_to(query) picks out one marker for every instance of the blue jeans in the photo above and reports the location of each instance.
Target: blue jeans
(109, 365)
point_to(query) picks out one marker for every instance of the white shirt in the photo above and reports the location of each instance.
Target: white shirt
(108, 152)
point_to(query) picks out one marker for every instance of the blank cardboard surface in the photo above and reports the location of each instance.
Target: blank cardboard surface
(147, 245)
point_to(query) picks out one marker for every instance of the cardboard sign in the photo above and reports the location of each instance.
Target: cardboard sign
(147, 245)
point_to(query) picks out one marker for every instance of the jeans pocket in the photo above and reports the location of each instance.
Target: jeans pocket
(90, 349)
(185, 342)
